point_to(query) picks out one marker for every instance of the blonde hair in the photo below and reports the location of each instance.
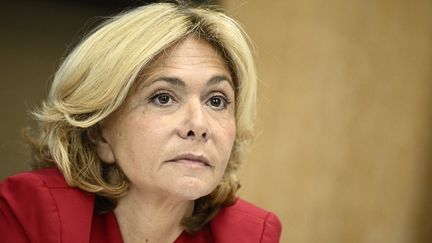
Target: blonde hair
(97, 76)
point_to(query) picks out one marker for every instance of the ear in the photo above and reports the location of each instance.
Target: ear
(103, 148)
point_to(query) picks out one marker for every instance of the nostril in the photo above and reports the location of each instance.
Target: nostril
(190, 133)
(204, 135)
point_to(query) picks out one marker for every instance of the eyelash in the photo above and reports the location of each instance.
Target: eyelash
(225, 101)
(159, 93)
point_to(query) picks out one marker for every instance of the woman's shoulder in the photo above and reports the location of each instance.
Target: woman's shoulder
(38, 187)
(245, 222)
(50, 177)
(33, 187)
(40, 205)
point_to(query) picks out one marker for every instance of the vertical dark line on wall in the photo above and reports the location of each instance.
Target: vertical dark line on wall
(423, 224)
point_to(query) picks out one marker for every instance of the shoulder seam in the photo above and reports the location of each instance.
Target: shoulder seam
(56, 206)
(264, 226)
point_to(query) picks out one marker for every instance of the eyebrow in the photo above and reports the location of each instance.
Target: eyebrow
(178, 82)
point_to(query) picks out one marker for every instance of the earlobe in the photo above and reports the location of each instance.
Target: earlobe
(103, 148)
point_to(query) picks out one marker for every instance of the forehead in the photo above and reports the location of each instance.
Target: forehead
(190, 56)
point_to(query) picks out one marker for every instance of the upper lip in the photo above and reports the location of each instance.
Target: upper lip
(194, 157)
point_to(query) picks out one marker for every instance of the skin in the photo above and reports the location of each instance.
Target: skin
(173, 138)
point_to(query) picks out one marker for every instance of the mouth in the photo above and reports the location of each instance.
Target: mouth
(191, 159)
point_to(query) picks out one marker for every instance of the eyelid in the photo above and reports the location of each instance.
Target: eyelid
(219, 93)
(225, 101)
(226, 98)
(162, 91)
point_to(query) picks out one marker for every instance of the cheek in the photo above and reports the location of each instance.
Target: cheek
(226, 139)
(229, 132)
(137, 138)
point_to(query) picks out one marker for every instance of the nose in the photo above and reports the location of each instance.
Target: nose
(195, 125)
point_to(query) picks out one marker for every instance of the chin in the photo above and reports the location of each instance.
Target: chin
(192, 188)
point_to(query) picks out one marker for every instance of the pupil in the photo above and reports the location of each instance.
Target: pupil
(163, 99)
(216, 102)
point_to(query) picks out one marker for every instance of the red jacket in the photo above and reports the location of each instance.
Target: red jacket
(40, 207)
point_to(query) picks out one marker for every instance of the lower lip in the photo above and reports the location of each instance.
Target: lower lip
(190, 163)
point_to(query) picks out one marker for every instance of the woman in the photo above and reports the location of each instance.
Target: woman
(142, 134)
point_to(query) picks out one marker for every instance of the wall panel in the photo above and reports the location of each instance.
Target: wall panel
(343, 152)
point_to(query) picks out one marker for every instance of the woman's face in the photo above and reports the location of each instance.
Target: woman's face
(174, 135)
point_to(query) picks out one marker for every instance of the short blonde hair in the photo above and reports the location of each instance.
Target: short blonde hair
(97, 76)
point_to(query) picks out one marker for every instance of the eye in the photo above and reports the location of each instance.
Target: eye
(218, 102)
(162, 98)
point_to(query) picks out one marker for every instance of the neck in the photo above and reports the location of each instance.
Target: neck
(151, 218)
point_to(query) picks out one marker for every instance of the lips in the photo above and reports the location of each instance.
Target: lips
(191, 158)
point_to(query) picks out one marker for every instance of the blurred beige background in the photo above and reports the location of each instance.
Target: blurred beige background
(344, 145)
(344, 149)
